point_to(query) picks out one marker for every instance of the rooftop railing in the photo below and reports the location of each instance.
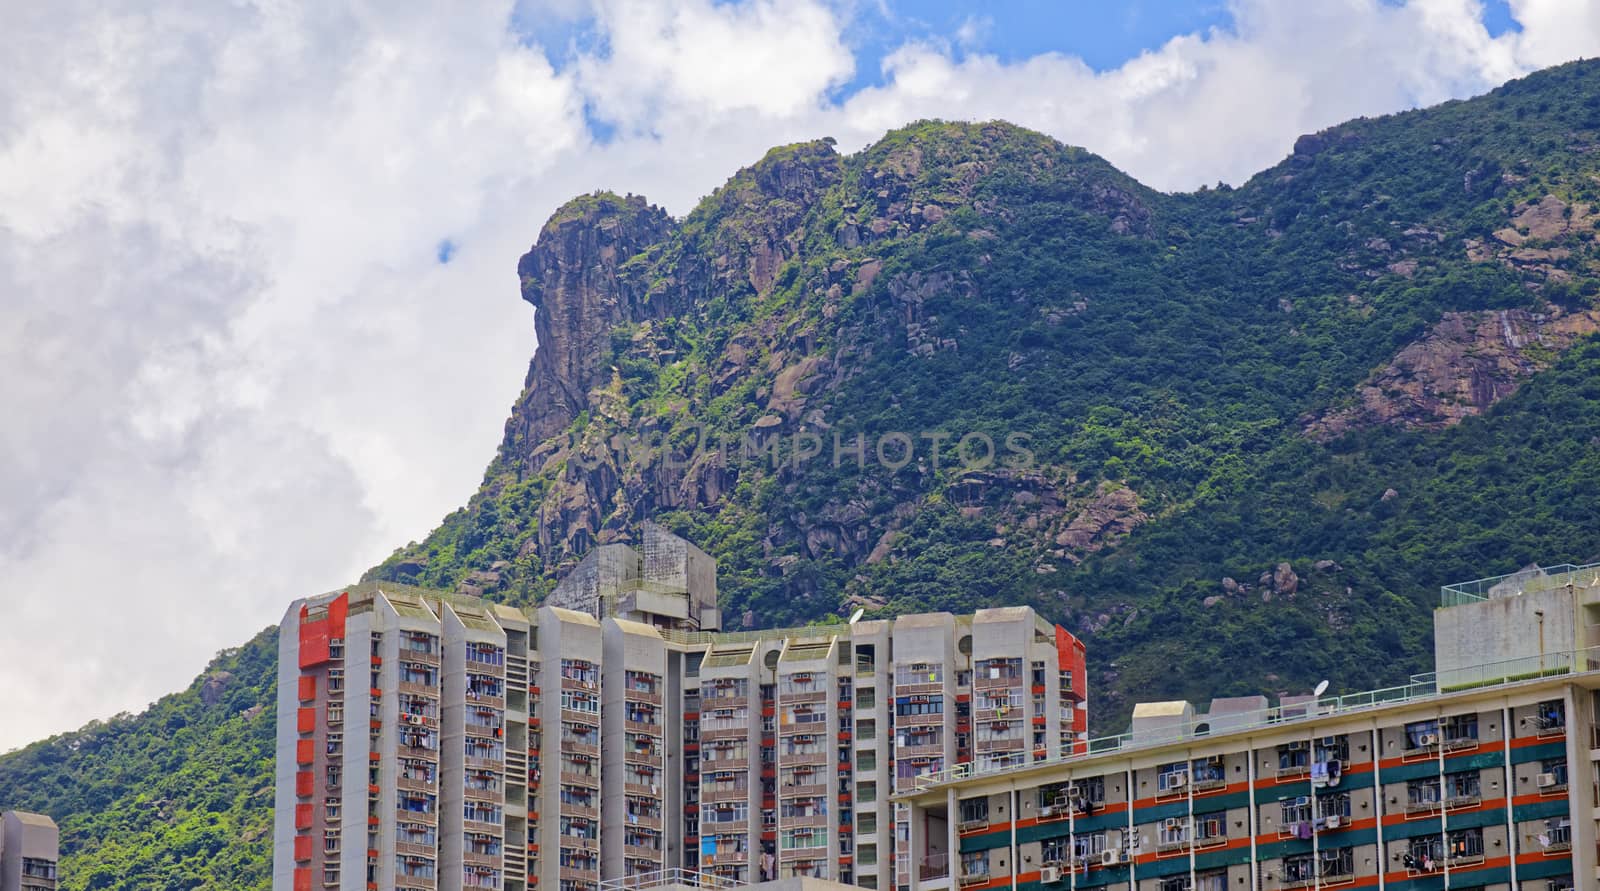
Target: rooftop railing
(1521, 581)
(1420, 689)
(668, 877)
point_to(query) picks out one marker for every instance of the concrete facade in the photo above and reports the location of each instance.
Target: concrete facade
(29, 849)
(478, 745)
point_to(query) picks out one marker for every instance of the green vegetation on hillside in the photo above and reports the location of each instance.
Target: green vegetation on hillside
(177, 798)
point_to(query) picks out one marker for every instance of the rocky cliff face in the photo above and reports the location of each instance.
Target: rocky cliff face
(1466, 363)
(576, 281)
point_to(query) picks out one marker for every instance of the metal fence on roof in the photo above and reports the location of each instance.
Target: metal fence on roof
(1421, 688)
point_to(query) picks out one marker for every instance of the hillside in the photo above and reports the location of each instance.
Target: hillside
(1240, 436)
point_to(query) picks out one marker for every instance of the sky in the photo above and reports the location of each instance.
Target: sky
(258, 297)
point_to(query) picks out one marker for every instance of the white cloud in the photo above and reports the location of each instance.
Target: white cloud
(239, 375)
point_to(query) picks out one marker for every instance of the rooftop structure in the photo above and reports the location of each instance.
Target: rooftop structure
(29, 846)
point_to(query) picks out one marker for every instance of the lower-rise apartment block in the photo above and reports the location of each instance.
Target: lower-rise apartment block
(29, 848)
(1482, 775)
(616, 732)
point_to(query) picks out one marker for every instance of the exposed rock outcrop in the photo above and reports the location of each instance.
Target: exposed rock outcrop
(1464, 364)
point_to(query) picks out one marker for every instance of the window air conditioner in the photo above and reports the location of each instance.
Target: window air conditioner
(1427, 739)
(1108, 858)
(1050, 874)
(1546, 780)
(1177, 780)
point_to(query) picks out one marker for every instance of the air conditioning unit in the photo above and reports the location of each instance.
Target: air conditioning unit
(1050, 874)
(1329, 742)
(1172, 823)
(1331, 821)
(1108, 858)
(1048, 810)
(1546, 780)
(1427, 739)
(1177, 781)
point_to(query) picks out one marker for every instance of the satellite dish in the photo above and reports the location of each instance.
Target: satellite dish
(771, 659)
(964, 645)
(1321, 689)
(856, 616)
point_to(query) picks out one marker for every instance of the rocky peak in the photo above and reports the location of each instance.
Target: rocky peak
(574, 276)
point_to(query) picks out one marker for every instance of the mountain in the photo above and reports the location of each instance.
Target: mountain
(1235, 439)
(1248, 431)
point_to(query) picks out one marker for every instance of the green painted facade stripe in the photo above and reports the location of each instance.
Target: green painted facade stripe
(1219, 859)
(1160, 812)
(1529, 754)
(1547, 869)
(1273, 794)
(1556, 807)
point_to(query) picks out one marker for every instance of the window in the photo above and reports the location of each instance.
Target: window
(335, 680)
(1294, 811)
(1211, 827)
(1294, 756)
(975, 810)
(1463, 787)
(1557, 769)
(866, 698)
(866, 759)
(1461, 728)
(1088, 846)
(1337, 862)
(330, 840)
(1172, 777)
(1332, 748)
(1466, 845)
(918, 673)
(908, 706)
(331, 808)
(1299, 868)
(1336, 804)
(1422, 734)
(866, 792)
(1054, 850)
(1552, 715)
(975, 863)
(1423, 793)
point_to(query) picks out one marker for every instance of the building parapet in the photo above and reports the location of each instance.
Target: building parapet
(1421, 688)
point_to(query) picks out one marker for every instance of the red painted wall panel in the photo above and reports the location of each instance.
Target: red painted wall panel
(302, 816)
(308, 688)
(302, 848)
(304, 751)
(306, 719)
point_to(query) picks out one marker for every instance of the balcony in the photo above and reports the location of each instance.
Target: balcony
(568, 809)
(642, 727)
(634, 756)
(645, 696)
(795, 790)
(641, 852)
(415, 849)
(420, 753)
(571, 746)
(576, 684)
(487, 701)
(999, 683)
(414, 883)
(415, 784)
(419, 657)
(805, 821)
(577, 716)
(936, 866)
(574, 874)
(482, 827)
(412, 688)
(475, 858)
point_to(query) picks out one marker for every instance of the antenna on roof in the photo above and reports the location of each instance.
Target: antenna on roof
(856, 616)
(1321, 689)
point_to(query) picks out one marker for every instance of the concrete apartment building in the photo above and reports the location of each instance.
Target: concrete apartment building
(1482, 775)
(617, 732)
(29, 845)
